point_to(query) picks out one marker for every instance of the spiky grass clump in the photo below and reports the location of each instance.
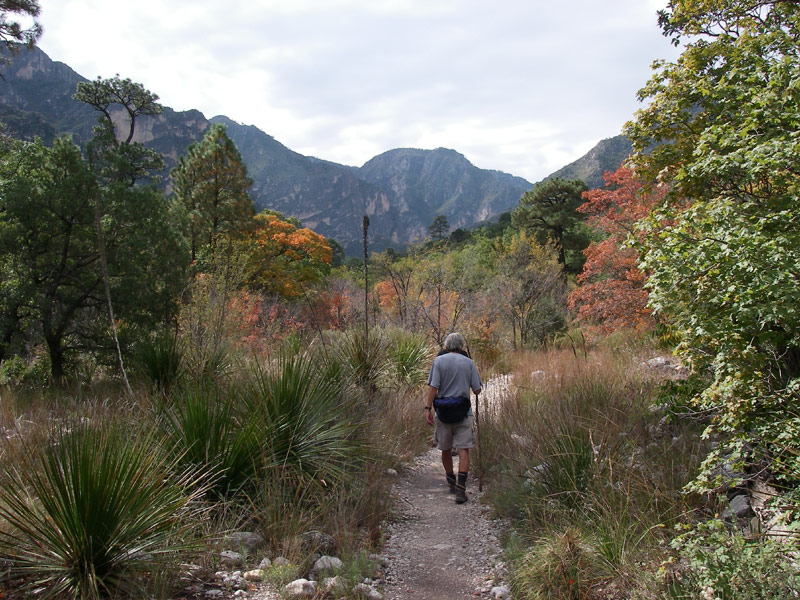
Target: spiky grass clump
(207, 430)
(93, 513)
(561, 567)
(312, 449)
(308, 428)
(364, 360)
(162, 362)
(409, 358)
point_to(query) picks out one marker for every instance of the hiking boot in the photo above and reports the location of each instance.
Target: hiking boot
(461, 494)
(461, 488)
(451, 482)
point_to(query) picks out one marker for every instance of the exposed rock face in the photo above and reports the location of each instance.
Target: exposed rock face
(607, 155)
(427, 183)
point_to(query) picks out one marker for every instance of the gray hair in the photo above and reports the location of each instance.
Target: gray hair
(454, 341)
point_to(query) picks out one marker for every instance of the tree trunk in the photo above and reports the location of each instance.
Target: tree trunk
(101, 247)
(56, 357)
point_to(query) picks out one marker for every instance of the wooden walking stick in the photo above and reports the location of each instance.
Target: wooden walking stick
(478, 445)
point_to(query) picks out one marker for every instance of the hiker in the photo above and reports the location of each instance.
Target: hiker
(452, 377)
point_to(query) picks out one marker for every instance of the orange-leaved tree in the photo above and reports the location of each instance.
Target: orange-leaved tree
(611, 293)
(284, 257)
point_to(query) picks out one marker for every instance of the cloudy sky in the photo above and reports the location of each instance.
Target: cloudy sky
(522, 86)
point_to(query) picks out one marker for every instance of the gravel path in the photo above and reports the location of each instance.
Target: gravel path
(436, 549)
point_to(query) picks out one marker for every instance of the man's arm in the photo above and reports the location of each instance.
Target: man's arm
(432, 391)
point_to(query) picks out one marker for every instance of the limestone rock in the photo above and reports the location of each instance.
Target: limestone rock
(246, 540)
(327, 563)
(301, 588)
(254, 575)
(500, 591)
(740, 506)
(332, 584)
(362, 590)
(229, 558)
(317, 541)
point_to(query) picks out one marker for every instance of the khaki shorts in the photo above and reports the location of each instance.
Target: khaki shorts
(454, 435)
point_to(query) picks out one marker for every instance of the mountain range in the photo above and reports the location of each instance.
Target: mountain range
(401, 190)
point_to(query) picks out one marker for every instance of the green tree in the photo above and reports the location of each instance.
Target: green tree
(74, 234)
(337, 253)
(119, 160)
(723, 250)
(12, 32)
(47, 245)
(211, 182)
(125, 173)
(50, 255)
(439, 228)
(528, 289)
(549, 211)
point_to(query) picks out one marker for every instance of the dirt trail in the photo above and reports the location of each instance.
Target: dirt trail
(436, 549)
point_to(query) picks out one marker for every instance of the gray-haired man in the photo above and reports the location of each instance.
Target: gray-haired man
(452, 377)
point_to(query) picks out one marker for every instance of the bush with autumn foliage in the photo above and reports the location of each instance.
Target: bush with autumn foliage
(611, 292)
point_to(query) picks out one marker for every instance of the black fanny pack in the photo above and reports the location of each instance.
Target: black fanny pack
(451, 410)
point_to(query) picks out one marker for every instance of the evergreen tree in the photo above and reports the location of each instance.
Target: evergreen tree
(53, 285)
(12, 33)
(127, 195)
(548, 210)
(439, 228)
(211, 183)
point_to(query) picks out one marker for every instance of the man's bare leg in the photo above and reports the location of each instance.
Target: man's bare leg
(463, 460)
(447, 463)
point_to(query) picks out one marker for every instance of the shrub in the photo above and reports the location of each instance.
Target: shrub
(409, 358)
(364, 362)
(309, 429)
(93, 512)
(12, 371)
(558, 567)
(589, 470)
(720, 563)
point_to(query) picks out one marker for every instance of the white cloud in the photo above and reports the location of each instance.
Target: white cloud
(520, 86)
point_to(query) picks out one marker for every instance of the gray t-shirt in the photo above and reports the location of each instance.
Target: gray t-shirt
(453, 375)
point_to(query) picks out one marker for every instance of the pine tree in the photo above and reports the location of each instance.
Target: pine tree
(211, 183)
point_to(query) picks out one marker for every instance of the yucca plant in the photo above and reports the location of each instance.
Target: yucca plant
(94, 512)
(364, 360)
(308, 427)
(207, 431)
(409, 358)
(215, 364)
(161, 360)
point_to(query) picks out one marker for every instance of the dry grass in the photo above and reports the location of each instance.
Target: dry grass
(579, 452)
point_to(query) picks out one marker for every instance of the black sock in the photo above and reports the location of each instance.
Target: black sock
(462, 479)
